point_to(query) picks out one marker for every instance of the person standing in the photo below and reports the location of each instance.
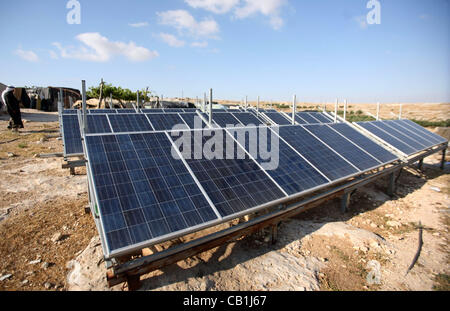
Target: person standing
(13, 108)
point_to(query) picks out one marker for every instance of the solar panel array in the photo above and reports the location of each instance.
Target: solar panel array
(403, 135)
(150, 188)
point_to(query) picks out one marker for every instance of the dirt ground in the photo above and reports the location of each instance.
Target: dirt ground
(49, 243)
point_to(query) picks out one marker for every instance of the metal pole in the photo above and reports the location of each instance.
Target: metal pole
(110, 101)
(61, 95)
(137, 100)
(83, 94)
(257, 106)
(294, 108)
(246, 103)
(443, 158)
(210, 106)
(336, 107)
(378, 111)
(345, 110)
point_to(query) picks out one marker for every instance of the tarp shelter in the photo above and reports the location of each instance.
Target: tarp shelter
(47, 98)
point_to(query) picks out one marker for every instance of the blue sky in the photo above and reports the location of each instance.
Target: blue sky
(319, 50)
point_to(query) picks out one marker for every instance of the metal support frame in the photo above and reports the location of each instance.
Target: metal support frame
(336, 108)
(391, 186)
(420, 164)
(345, 202)
(210, 107)
(443, 158)
(294, 109)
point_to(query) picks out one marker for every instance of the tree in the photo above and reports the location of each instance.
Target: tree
(116, 91)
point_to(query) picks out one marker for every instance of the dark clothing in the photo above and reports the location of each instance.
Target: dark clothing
(13, 107)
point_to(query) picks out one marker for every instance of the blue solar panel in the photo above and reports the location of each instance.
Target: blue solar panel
(308, 118)
(155, 110)
(417, 146)
(225, 119)
(416, 127)
(391, 140)
(193, 120)
(233, 185)
(278, 118)
(126, 111)
(246, 118)
(71, 135)
(345, 148)
(299, 120)
(97, 124)
(383, 155)
(321, 117)
(173, 110)
(292, 173)
(70, 111)
(321, 157)
(166, 122)
(104, 111)
(424, 141)
(124, 123)
(143, 193)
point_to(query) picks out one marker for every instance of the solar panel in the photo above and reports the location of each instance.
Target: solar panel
(144, 195)
(226, 119)
(173, 110)
(97, 124)
(308, 118)
(299, 120)
(125, 123)
(278, 118)
(417, 146)
(121, 111)
(318, 154)
(233, 185)
(193, 120)
(391, 140)
(155, 110)
(71, 135)
(246, 118)
(166, 122)
(104, 111)
(358, 157)
(383, 155)
(321, 117)
(424, 141)
(293, 173)
(418, 129)
(70, 111)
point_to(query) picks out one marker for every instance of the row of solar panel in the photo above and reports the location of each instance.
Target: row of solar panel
(118, 111)
(403, 135)
(146, 195)
(300, 118)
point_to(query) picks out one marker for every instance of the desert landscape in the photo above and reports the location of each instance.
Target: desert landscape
(50, 243)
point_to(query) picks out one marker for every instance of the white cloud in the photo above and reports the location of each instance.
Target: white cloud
(29, 56)
(215, 6)
(202, 44)
(53, 54)
(185, 23)
(139, 25)
(97, 48)
(172, 40)
(269, 8)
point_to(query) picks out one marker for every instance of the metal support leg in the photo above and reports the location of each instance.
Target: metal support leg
(391, 187)
(274, 233)
(443, 159)
(134, 282)
(345, 202)
(420, 165)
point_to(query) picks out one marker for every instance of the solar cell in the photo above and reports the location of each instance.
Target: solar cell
(383, 155)
(126, 111)
(321, 117)
(391, 140)
(70, 111)
(246, 118)
(102, 111)
(417, 146)
(278, 118)
(419, 129)
(193, 120)
(308, 118)
(318, 154)
(424, 141)
(233, 185)
(299, 120)
(293, 173)
(144, 195)
(344, 147)
(225, 119)
(173, 110)
(155, 110)
(97, 124)
(124, 123)
(71, 135)
(166, 122)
